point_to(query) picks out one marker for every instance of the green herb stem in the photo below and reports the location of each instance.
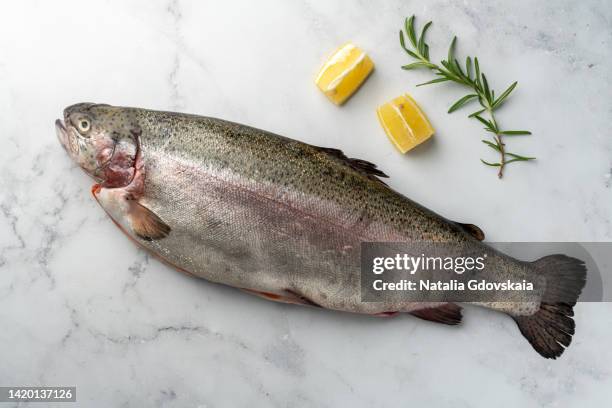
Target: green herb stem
(472, 77)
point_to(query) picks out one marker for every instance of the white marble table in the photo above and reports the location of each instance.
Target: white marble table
(80, 305)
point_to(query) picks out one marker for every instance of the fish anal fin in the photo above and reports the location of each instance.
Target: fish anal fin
(448, 313)
(386, 314)
(473, 230)
(362, 166)
(146, 224)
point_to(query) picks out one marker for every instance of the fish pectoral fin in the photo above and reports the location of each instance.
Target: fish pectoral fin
(145, 223)
(448, 313)
(472, 229)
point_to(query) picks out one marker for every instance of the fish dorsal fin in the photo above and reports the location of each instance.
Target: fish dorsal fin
(472, 229)
(365, 167)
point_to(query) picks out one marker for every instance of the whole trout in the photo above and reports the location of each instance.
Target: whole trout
(283, 219)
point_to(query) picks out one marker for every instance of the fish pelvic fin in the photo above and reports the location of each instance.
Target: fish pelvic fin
(448, 313)
(146, 224)
(550, 329)
(287, 296)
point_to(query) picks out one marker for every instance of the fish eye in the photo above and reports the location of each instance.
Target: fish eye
(84, 125)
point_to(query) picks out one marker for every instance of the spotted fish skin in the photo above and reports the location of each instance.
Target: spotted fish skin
(261, 212)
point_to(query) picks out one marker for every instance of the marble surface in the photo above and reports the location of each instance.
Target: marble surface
(80, 305)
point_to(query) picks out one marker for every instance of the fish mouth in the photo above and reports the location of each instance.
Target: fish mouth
(71, 145)
(61, 132)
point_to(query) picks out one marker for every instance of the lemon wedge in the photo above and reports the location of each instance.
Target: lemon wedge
(344, 73)
(404, 122)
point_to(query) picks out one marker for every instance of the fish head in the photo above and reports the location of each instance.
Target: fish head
(101, 139)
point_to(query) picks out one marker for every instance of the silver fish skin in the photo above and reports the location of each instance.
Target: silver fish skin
(283, 219)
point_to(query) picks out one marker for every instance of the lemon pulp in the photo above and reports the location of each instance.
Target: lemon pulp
(344, 72)
(404, 123)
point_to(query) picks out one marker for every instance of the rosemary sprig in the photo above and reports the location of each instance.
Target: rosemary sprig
(471, 76)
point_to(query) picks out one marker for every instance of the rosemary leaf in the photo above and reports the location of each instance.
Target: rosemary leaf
(461, 102)
(468, 67)
(402, 41)
(515, 132)
(459, 70)
(477, 69)
(434, 81)
(414, 65)
(484, 121)
(491, 164)
(421, 43)
(492, 145)
(504, 95)
(521, 158)
(471, 115)
(487, 91)
(451, 49)
(409, 26)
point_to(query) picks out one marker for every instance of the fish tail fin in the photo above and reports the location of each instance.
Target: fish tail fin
(550, 329)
